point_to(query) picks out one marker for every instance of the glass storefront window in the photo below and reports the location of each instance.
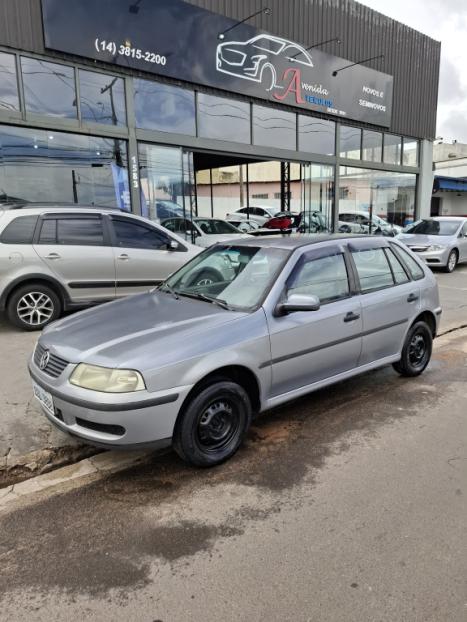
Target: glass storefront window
(8, 84)
(165, 184)
(223, 119)
(102, 98)
(410, 152)
(317, 198)
(49, 88)
(274, 128)
(373, 201)
(372, 146)
(392, 149)
(350, 142)
(49, 166)
(164, 108)
(316, 135)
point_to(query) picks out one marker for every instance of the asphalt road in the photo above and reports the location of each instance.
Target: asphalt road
(347, 505)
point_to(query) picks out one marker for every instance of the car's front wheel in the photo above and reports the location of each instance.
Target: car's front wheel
(213, 424)
(33, 306)
(452, 261)
(416, 353)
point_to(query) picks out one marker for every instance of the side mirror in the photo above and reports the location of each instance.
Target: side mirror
(173, 245)
(298, 302)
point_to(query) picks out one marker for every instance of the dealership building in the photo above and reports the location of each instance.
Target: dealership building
(165, 107)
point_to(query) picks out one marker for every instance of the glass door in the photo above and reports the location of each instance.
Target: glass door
(317, 198)
(167, 184)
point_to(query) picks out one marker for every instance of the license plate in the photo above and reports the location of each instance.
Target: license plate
(44, 398)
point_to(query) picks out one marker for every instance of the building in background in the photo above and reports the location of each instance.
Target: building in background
(450, 180)
(165, 107)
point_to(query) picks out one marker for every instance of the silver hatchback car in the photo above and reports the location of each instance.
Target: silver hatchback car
(59, 258)
(191, 361)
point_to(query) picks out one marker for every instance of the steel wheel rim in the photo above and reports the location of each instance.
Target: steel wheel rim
(218, 425)
(35, 308)
(206, 281)
(452, 261)
(417, 350)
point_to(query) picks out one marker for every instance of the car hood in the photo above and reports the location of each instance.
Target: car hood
(128, 333)
(415, 239)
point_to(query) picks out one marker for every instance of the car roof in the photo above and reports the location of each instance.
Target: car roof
(291, 242)
(61, 206)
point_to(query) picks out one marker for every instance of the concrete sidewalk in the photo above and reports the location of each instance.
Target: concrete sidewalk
(29, 445)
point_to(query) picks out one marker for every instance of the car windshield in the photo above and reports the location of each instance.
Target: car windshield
(434, 227)
(215, 227)
(265, 43)
(235, 277)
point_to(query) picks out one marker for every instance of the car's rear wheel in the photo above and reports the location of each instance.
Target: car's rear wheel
(416, 353)
(452, 261)
(213, 424)
(33, 306)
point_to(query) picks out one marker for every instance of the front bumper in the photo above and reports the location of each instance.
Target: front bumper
(434, 258)
(125, 421)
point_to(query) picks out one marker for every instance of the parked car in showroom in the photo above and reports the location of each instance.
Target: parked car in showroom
(245, 226)
(283, 220)
(59, 258)
(441, 241)
(191, 361)
(203, 231)
(374, 224)
(258, 214)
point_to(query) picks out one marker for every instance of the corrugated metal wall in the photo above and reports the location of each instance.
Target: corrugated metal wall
(411, 57)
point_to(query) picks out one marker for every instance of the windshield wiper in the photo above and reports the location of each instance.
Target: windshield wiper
(166, 286)
(198, 296)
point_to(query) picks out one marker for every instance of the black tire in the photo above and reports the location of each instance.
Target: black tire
(205, 277)
(452, 261)
(416, 353)
(213, 424)
(48, 306)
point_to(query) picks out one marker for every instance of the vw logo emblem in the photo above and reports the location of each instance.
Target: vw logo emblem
(44, 360)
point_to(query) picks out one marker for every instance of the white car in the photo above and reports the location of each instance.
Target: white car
(259, 214)
(245, 226)
(204, 231)
(362, 220)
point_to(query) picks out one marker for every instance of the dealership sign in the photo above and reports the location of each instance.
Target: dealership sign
(179, 40)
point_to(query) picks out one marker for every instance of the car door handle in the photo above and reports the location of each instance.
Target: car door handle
(412, 297)
(351, 317)
(53, 256)
(123, 257)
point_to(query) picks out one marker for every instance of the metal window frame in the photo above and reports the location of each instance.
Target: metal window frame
(132, 135)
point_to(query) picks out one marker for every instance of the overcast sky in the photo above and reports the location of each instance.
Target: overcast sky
(445, 21)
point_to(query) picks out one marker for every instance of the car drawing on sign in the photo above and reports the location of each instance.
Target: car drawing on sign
(190, 362)
(256, 59)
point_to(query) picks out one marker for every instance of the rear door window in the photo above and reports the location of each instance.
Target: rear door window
(373, 269)
(398, 271)
(80, 231)
(415, 271)
(19, 231)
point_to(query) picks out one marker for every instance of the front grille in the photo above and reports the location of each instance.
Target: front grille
(418, 249)
(55, 364)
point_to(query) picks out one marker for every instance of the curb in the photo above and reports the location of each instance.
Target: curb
(90, 468)
(42, 461)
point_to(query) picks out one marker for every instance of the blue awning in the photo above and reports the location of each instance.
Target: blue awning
(449, 184)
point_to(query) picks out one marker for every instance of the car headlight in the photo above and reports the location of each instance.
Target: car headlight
(107, 380)
(435, 247)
